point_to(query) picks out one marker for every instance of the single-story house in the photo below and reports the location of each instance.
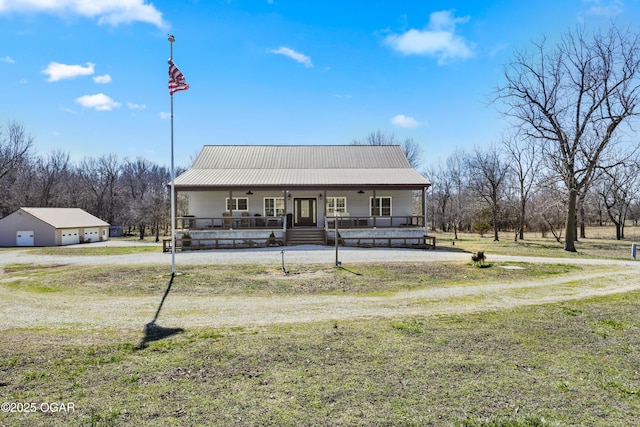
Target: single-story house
(240, 195)
(51, 227)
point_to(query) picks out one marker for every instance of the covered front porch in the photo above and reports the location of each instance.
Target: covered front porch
(247, 196)
(264, 232)
(265, 217)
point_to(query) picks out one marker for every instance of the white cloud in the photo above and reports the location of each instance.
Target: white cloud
(437, 39)
(165, 116)
(111, 12)
(133, 106)
(7, 59)
(605, 8)
(57, 71)
(99, 102)
(102, 79)
(296, 56)
(405, 121)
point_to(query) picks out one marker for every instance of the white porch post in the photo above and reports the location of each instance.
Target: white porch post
(375, 211)
(230, 209)
(324, 204)
(424, 210)
(286, 209)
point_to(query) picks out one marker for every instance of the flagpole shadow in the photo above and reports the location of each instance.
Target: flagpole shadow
(153, 331)
(349, 271)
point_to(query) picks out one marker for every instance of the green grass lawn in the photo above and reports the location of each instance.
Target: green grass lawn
(83, 250)
(575, 363)
(559, 364)
(266, 280)
(532, 245)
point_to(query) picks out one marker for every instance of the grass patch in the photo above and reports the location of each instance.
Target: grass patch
(380, 279)
(410, 326)
(533, 245)
(532, 366)
(81, 250)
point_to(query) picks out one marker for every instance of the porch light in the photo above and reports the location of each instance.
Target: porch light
(249, 193)
(320, 196)
(360, 191)
(289, 196)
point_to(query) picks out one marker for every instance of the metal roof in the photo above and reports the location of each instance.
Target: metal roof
(66, 217)
(295, 166)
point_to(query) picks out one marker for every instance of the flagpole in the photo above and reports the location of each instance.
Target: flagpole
(173, 178)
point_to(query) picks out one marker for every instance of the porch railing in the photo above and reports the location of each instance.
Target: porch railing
(228, 222)
(261, 222)
(374, 222)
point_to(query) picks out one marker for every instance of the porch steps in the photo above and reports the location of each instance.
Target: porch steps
(306, 236)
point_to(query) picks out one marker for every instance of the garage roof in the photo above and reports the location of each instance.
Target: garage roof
(65, 217)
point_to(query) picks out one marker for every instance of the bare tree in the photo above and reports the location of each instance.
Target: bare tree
(146, 195)
(99, 178)
(410, 147)
(441, 194)
(523, 156)
(551, 207)
(572, 98)
(14, 146)
(488, 172)
(98, 185)
(457, 174)
(18, 186)
(52, 173)
(135, 182)
(615, 186)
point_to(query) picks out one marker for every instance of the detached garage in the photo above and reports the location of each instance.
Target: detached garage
(51, 227)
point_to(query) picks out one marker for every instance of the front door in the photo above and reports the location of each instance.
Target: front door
(304, 213)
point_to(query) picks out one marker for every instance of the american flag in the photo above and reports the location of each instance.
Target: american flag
(176, 79)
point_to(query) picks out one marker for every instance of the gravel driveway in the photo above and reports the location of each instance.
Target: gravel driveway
(292, 254)
(22, 309)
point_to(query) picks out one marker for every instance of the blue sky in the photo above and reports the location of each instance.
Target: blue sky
(89, 77)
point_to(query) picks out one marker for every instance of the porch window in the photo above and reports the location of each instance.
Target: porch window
(274, 206)
(336, 204)
(238, 204)
(381, 206)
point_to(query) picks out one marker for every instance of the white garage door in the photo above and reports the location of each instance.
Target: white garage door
(24, 238)
(70, 237)
(91, 235)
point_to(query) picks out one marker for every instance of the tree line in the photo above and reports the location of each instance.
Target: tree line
(508, 189)
(573, 156)
(128, 192)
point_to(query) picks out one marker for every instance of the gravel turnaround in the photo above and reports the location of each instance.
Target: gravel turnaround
(23, 309)
(292, 254)
(304, 254)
